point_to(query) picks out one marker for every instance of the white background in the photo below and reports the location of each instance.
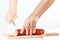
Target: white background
(50, 20)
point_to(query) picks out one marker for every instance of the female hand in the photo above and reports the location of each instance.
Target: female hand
(30, 24)
(11, 16)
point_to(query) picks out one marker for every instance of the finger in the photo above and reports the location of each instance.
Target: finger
(27, 29)
(22, 30)
(34, 27)
(30, 28)
(13, 18)
(30, 31)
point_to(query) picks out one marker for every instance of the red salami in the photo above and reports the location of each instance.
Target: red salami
(38, 32)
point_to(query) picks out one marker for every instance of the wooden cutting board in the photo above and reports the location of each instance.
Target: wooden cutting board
(39, 34)
(12, 36)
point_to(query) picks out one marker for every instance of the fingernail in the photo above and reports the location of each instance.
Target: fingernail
(26, 31)
(34, 31)
(21, 31)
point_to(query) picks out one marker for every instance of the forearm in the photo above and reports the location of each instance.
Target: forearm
(42, 7)
(13, 5)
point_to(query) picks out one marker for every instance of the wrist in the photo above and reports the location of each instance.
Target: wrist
(34, 17)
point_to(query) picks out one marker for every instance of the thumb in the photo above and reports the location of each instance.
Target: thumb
(13, 18)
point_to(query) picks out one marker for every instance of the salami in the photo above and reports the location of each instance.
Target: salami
(38, 32)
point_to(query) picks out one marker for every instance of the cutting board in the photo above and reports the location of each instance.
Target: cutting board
(38, 34)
